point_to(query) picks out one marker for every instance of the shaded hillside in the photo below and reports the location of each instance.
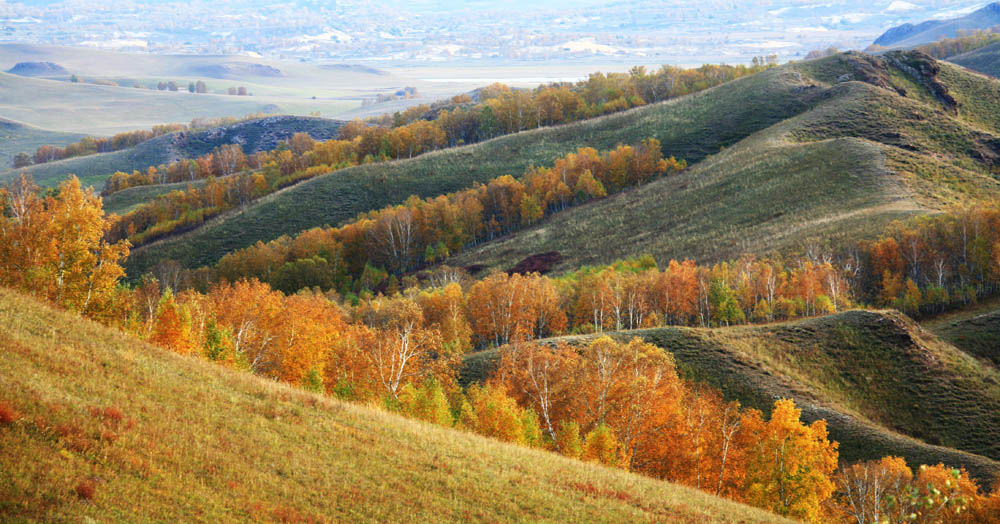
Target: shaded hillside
(253, 135)
(884, 385)
(975, 330)
(16, 137)
(879, 144)
(691, 128)
(97, 425)
(985, 60)
(910, 35)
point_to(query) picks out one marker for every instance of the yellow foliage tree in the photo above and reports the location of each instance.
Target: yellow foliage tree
(790, 468)
(53, 247)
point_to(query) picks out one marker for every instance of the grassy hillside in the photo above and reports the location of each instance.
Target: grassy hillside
(863, 155)
(252, 135)
(986, 59)
(975, 330)
(884, 385)
(790, 156)
(153, 436)
(692, 128)
(16, 137)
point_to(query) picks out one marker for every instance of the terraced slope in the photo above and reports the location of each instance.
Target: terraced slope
(691, 128)
(252, 135)
(877, 145)
(98, 425)
(884, 385)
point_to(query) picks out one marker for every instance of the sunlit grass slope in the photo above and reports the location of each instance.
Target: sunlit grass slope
(96, 424)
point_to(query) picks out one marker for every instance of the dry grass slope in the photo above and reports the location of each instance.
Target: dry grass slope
(96, 424)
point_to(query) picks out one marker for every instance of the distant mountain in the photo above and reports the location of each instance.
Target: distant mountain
(237, 70)
(910, 35)
(38, 69)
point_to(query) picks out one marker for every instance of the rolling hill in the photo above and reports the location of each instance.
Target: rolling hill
(985, 60)
(884, 385)
(811, 152)
(261, 134)
(105, 110)
(975, 330)
(16, 137)
(691, 128)
(911, 35)
(98, 425)
(278, 86)
(861, 156)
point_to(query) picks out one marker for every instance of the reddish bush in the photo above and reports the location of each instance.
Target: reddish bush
(8, 415)
(113, 414)
(86, 489)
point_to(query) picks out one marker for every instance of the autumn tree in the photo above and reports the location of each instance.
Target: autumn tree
(172, 326)
(406, 349)
(789, 472)
(54, 246)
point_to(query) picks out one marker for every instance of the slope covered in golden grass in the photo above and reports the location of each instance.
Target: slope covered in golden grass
(94, 423)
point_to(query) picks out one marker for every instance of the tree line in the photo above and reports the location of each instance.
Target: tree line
(90, 145)
(501, 200)
(619, 403)
(963, 43)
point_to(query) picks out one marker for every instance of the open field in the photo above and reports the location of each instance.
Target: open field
(884, 385)
(106, 110)
(110, 428)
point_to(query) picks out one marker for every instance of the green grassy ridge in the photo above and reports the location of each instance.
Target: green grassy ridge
(253, 135)
(858, 159)
(883, 385)
(198, 442)
(690, 127)
(16, 137)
